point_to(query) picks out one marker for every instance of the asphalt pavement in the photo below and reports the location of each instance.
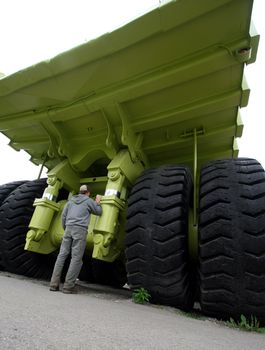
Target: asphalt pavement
(99, 318)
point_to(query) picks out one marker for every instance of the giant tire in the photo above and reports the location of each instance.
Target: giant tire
(157, 236)
(232, 239)
(15, 215)
(5, 190)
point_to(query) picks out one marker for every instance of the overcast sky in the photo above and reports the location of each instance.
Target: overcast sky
(34, 30)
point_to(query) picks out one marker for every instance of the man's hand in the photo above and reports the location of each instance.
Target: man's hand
(98, 199)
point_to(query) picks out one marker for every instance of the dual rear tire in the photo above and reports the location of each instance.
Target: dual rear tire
(231, 238)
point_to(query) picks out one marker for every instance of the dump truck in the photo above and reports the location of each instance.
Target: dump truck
(148, 115)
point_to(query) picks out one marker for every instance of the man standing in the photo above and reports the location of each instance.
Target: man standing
(75, 221)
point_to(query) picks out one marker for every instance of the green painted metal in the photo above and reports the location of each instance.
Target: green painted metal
(195, 176)
(193, 239)
(169, 71)
(107, 231)
(140, 92)
(37, 239)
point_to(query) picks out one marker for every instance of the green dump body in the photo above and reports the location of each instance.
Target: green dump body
(148, 87)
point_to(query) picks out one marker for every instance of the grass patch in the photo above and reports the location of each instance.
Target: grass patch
(141, 296)
(250, 325)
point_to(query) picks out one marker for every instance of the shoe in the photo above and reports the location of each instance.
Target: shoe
(69, 291)
(54, 289)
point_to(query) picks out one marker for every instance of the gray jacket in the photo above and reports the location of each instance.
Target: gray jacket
(77, 211)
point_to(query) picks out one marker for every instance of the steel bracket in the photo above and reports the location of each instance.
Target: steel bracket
(129, 138)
